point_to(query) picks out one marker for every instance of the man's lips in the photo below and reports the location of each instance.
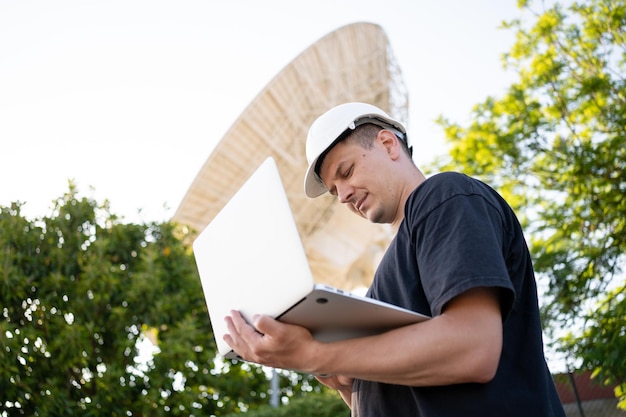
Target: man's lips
(359, 204)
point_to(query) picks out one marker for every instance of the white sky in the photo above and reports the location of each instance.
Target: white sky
(129, 97)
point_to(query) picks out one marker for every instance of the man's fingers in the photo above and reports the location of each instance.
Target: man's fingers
(265, 324)
(345, 380)
(240, 333)
(337, 382)
(267, 341)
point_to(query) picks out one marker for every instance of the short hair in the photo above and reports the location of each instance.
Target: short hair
(366, 133)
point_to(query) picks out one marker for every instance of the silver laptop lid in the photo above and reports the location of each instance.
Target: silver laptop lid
(250, 257)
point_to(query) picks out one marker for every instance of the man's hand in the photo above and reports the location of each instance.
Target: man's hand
(342, 384)
(273, 343)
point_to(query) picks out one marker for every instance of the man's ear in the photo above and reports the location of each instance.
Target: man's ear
(390, 142)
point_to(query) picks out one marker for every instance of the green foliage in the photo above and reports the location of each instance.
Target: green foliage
(81, 292)
(329, 404)
(555, 146)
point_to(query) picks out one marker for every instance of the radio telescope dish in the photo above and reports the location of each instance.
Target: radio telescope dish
(352, 63)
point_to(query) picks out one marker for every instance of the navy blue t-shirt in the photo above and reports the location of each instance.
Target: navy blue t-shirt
(459, 234)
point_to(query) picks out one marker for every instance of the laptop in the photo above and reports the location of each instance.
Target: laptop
(250, 258)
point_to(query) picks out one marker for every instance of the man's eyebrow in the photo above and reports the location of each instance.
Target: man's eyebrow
(339, 169)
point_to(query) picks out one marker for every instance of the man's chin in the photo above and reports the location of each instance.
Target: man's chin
(375, 217)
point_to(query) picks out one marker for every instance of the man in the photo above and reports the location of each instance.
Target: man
(458, 255)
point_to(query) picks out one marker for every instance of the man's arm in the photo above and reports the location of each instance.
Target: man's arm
(463, 344)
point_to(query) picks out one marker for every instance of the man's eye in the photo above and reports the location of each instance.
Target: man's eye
(347, 173)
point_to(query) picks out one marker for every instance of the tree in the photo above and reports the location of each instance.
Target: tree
(555, 145)
(81, 293)
(328, 404)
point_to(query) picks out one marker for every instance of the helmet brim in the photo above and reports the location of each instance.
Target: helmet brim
(313, 185)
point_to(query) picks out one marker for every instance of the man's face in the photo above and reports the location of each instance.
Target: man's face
(362, 179)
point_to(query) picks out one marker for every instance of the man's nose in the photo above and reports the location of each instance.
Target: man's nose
(345, 193)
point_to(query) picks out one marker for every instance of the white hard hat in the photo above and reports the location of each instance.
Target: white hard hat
(330, 126)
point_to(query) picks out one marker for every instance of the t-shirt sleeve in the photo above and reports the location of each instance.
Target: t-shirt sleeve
(459, 246)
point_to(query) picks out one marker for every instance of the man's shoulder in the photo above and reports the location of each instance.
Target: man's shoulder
(443, 185)
(433, 192)
(448, 178)
(451, 183)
